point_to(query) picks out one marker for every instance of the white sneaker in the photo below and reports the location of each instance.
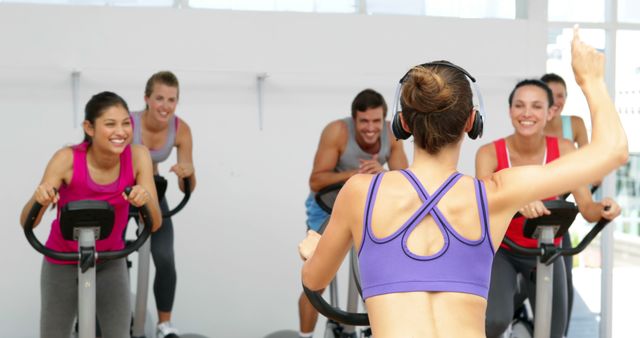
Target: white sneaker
(166, 330)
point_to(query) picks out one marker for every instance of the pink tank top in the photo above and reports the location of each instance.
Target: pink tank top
(82, 187)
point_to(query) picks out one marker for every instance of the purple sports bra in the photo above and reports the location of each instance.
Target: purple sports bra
(462, 265)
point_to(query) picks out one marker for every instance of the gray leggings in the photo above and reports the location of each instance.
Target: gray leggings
(503, 292)
(59, 299)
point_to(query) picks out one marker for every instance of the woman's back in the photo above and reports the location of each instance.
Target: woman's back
(434, 114)
(415, 237)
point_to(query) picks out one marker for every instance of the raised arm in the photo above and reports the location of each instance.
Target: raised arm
(591, 210)
(58, 170)
(486, 161)
(144, 192)
(184, 145)
(333, 136)
(515, 187)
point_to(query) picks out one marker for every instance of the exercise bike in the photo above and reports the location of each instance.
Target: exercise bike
(144, 256)
(85, 222)
(334, 328)
(545, 229)
(339, 328)
(522, 323)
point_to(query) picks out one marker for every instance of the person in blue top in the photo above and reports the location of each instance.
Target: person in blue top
(360, 143)
(572, 128)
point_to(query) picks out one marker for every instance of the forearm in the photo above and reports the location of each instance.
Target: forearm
(607, 130)
(25, 212)
(327, 178)
(591, 212)
(309, 279)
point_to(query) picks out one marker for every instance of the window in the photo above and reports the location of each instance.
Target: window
(505, 9)
(331, 6)
(559, 62)
(407, 7)
(576, 10)
(628, 196)
(136, 3)
(629, 11)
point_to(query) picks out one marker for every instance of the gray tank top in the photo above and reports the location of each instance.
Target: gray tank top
(349, 160)
(157, 155)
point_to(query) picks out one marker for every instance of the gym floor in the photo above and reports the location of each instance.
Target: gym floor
(586, 306)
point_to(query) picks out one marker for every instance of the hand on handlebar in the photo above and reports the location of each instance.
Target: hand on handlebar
(46, 194)
(183, 170)
(534, 209)
(308, 246)
(613, 209)
(138, 196)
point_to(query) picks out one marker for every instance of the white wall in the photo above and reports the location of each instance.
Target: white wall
(238, 270)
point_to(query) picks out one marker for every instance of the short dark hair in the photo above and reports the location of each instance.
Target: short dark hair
(553, 77)
(368, 99)
(533, 82)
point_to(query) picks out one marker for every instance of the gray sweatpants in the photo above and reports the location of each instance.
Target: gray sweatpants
(503, 292)
(59, 299)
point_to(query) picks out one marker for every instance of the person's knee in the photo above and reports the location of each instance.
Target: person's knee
(164, 261)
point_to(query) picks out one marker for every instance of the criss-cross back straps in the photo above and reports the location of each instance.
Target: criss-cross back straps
(480, 199)
(422, 191)
(424, 210)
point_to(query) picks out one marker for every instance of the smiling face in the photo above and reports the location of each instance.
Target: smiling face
(368, 126)
(162, 102)
(111, 131)
(529, 110)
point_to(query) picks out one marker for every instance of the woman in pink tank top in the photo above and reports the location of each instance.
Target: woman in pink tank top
(99, 168)
(530, 105)
(437, 110)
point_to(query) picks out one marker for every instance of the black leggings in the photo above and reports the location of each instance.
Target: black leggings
(568, 264)
(503, 292)
(164, 284)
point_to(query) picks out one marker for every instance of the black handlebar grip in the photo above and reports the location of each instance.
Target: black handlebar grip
(127, 191)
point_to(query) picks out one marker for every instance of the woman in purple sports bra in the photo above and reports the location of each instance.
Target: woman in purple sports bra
(426, 236)
(99, 168)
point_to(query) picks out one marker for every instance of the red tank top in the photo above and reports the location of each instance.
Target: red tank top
(515, 230)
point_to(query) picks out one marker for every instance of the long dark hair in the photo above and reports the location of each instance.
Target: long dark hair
(97, 106)
(536, 83)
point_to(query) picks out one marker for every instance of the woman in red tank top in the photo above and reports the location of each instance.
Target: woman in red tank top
(530, 103)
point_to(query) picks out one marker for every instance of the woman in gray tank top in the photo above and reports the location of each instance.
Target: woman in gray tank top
(160, 130)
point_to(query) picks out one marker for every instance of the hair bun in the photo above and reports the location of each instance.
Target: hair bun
(426, 91)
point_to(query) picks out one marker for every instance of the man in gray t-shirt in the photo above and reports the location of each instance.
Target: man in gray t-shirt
(360, 144)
